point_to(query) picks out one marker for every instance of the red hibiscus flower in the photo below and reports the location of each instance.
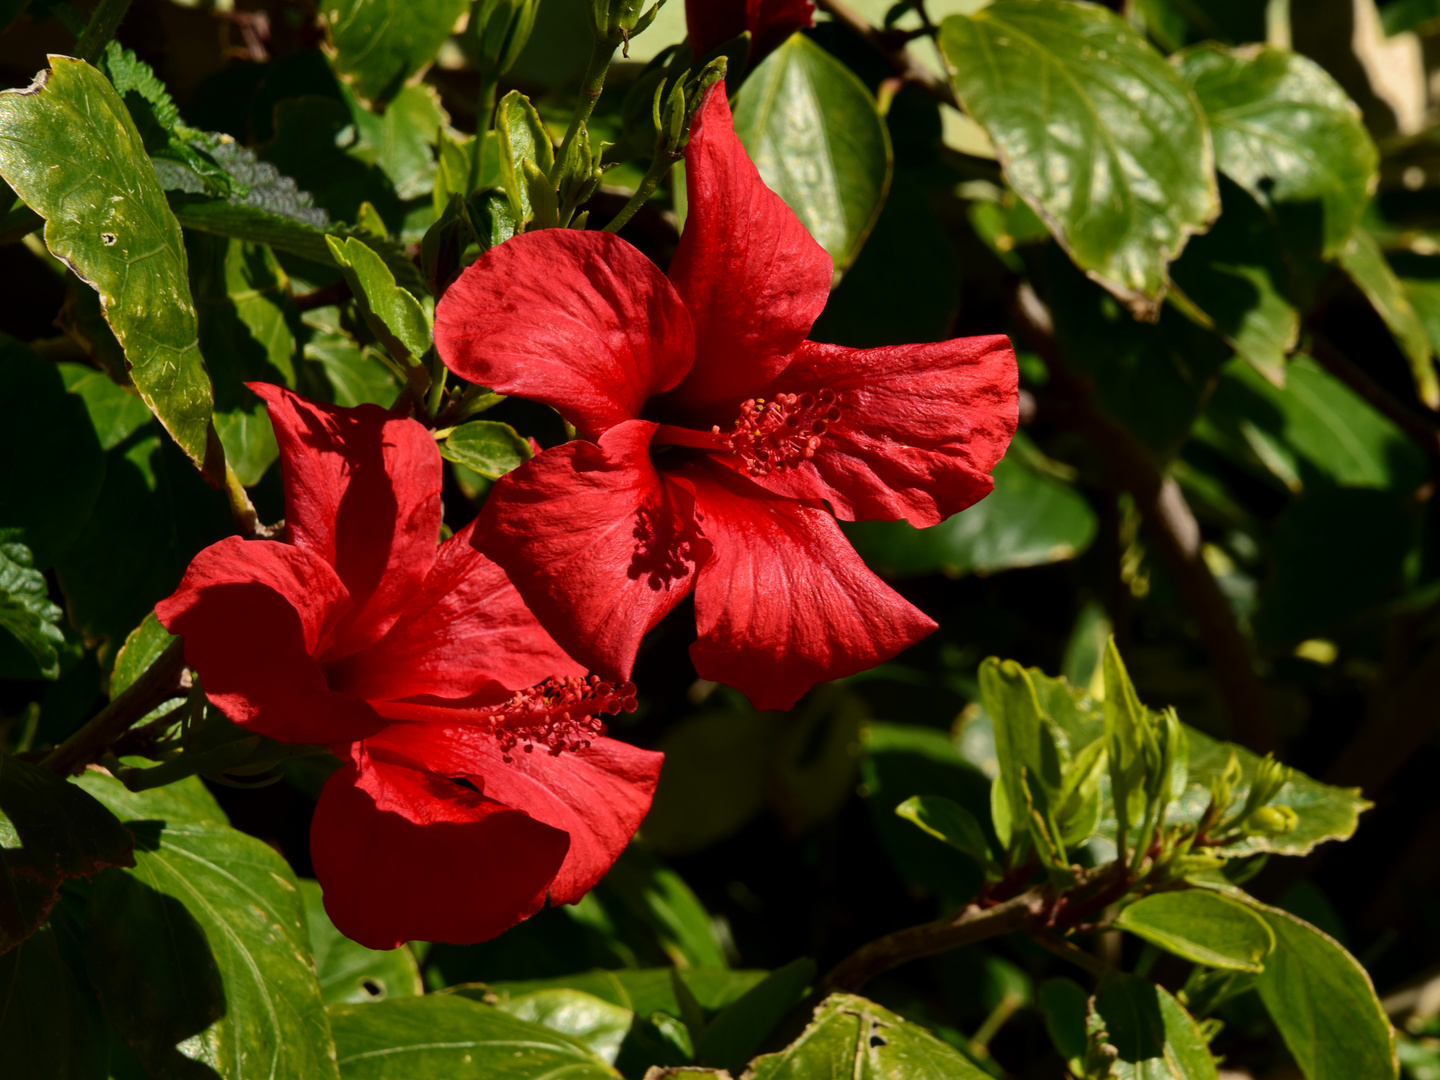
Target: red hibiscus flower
(476, 775)
(711, 431)
(714, 22)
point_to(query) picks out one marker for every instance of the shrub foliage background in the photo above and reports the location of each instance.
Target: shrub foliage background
(1208, 228)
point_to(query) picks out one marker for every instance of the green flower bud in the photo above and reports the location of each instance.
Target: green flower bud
(501, 29)
(1271, 820)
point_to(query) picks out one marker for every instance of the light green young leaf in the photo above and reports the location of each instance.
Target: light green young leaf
(395, 316)
(1133, 177)
(947, 820)
(814, 132)
(522, 138)
(380, 44)
(854, 1039)
(1286, 132)
(489, 447)
(599, 1024)
(1023, 740)
(71, 151)
(1078, 805)
(1201, 926)
(1154, 1038)
(1127, 733)
(1365, 263)
(1324, 1004)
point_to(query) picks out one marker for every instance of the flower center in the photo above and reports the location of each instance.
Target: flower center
(779, 434)
(560, 714)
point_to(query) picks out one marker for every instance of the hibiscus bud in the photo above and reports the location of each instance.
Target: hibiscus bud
(615, 22)
(501, 29)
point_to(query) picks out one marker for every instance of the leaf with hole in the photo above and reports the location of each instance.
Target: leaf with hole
(348, 971)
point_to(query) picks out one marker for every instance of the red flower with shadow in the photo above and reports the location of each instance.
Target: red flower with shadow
(712, 433)
(714, 22)
(476, 774)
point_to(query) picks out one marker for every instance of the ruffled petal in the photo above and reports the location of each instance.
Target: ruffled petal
(254, 613)
(784, 602)
(579, 320)
(362, 491)
(920, 427)
(598, 796)
(752, 276)
(404, 855)
(598, 543)
(465, 632)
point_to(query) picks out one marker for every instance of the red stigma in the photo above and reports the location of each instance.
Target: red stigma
(772, 436)
(560, 714)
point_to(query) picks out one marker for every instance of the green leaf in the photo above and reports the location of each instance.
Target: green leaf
(1201, 926)
(1023, 741)
(394, 315)
(643, 991)
(347, 970)
(947, 820)
(522, 137)
(51, 465)
(204, 943)
(1365, 263)
(731, 1037)
(854, 1039)
(815, 134)
(599, 1024)
(404, 137)
(380, 44)
(1063, 1004)
(50, 1026)
(52, 831)
(114, 412)
(141, 649)
(1153, 1036)
(247, 321)
(451, 1036)
(1315, 431)
(659, 898)
(1132, 178)
(1236, 275)
(1031, 518)
(1286, 132)
(30, 635)
(1324, 1004)
(70, 149)
(488, 447)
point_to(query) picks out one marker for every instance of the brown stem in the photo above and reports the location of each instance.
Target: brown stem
(159, 683)
(1169, 521)
(969, 925)
(892, 47)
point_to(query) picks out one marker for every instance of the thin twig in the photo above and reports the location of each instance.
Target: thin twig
(892, 47)
(1169, 521)
(971, 924)
(159, 683)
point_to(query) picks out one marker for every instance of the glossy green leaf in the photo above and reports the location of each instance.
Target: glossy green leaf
(379, 44)
(50, 1026)
(394, 315)
(1200, 926)
(1286, 132)
(70, 149)
(202, 950)
(947, 820)
(1031, 518)
(813, 131)
(522, 137)
(1365, 263)
(451, 1036)
(659, 898)
(1154, 1038)
(1095, 131)
(30, 635)
(1236, 275)
(599, 1024)
(737, 1032)
(1324, 1004)
(645, 991)
(854, 1039)
(247, 321)
(51, 465)
(488, 447)
(1315, 430)
(347, 970)
(51, 831)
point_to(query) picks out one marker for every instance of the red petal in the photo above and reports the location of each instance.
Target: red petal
(404, 855)
(598, 795)
(465, 631)
(751, 275)
(921, 427)
(784, 602)
(599, 544)
(362, 491)
(254, 613)
(579, 320)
